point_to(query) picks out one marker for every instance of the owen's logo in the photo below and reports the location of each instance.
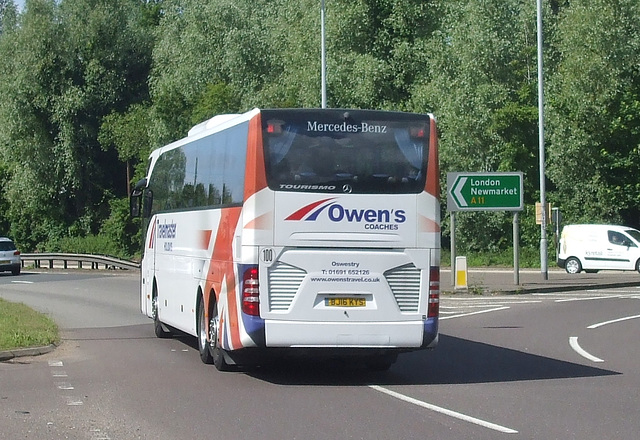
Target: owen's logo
(338, 213)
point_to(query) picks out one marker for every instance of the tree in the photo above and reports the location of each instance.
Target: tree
(68, 66)
(480, 82)
(201, 44)
(215, 100)
(4, 203)
(8, 14)
(377, 50)
(128, 134)
(594, 122)
(37, 183)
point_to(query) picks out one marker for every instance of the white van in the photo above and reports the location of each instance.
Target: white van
(599, 247)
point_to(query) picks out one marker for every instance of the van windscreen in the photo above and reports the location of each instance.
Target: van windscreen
(634, 233)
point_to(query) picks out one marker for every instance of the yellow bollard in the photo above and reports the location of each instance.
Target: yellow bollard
(461, 273)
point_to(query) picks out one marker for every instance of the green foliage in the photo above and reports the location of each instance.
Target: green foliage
(128, 134)
(376, 50)
(216, 99)
(529, 256)
(119, 236)
(4, 203)
(122, 230)
(8, 13)
(594, 123)
(90, 244)
(66, 66)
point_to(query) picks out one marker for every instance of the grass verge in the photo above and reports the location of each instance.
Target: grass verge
(23, 327)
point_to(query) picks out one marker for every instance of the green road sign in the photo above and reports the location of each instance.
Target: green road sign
(484, 192)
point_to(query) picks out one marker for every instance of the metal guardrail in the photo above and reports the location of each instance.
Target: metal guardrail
(95, 260)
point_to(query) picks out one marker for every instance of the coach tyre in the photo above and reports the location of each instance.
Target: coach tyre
(157, 325)
(638, 265)
(572, 265)
(214, 348)
(203, 344)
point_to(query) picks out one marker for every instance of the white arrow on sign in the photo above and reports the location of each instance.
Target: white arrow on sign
(457, 192)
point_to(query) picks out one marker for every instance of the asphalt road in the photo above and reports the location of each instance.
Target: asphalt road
(547, 365)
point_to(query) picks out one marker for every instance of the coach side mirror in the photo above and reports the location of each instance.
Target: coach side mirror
(134, 205)
(147, 203)
(135, 200)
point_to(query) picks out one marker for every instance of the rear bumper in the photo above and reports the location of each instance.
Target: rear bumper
(407, 335)
(9, 267)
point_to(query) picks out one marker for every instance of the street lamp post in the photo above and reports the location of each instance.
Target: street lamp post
(543, 201)
(323, 57)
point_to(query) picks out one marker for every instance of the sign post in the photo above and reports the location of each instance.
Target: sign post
(486, 192)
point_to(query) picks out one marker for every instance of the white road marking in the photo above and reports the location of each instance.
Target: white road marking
(444, 411)
(474, 313)
(74, 401)
(588, 298)
(22, 282)
(473, 305)
(99, 435)
(531, 301)
(573, 342)
(613, 291)
(64, 386)
(613, 321)
(476, 298)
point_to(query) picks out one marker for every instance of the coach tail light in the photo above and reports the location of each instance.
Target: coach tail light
(434, 292)
(251, 292)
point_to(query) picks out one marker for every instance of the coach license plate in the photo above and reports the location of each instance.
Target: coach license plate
(345, 302)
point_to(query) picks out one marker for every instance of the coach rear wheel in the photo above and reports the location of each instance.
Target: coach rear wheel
(572, 265)
(203, 344)
(213, 345)
(157, 325)
(210, 350)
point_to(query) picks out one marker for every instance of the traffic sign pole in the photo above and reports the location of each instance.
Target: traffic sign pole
(486, 192)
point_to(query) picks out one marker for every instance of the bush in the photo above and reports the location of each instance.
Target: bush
(91, 244)
(122, 230)
(119, 236)
(529, 258)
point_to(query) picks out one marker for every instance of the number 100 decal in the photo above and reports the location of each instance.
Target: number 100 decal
(267, 255)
